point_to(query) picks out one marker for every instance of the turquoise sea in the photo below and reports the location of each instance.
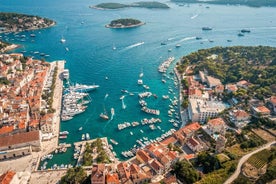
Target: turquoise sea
(90, 57)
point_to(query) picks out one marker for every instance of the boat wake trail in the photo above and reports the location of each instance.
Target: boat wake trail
(187, 38)
(105, 97)
(134, 45)
(194, 16)
(123, 104)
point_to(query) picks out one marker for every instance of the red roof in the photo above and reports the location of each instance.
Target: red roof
(19, 138)
(6, 129)
(169, 140)
(143, 155)
(263, 109)
(216, 122)
(112, 178)
(6, 178)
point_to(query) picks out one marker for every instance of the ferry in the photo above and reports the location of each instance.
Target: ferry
(114, 142)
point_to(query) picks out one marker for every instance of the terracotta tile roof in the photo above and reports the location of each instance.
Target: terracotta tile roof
(172, 154)
(169, 140)
(7, 177)
(240, 114)
(171, 179)
(6, 129)
(193, 142)
(112, 178)
(19, 138)
(216, 122)
(156, 165)
(123, 171)
(231, 87)
(190, 156)
(219, 88)
(98, 175)
(263, 109)
(195, 92)
(143, 155)
(134, 169)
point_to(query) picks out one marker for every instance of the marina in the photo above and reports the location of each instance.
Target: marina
(123, 66)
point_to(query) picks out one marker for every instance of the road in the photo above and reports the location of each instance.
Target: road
(244, 159)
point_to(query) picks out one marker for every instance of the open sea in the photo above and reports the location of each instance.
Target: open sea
(90, 58)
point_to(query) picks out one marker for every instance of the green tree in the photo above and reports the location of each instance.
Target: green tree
(75, 175)
(185, 172)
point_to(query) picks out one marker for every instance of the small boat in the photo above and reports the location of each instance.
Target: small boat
(106, 78)
(122, 97)
(245, 31)
(229, 40)
(63, 137)
(177, 45)
(80, 128)
(131, 133)
(240, 34)
(62, 40)
(198, 38)
(67, 49)
(206, 28)
(32, 35)
(87, 136)
(114, 48)
(140, 81)
(169, 50)
(141, 74)
(114, 142)
(163, 43)
(141, 131)
(64, 133)
(83, 137)
(104, 116)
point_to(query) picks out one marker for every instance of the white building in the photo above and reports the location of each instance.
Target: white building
(199, 110)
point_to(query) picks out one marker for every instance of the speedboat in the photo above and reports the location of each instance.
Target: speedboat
(104, 116)
(62, 40)
(207, 28)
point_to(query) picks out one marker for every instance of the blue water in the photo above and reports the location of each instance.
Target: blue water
(90, 57)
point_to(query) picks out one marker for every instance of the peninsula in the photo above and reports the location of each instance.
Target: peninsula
(124, 23)
(14, 22)
(252, 3)
(142, 4)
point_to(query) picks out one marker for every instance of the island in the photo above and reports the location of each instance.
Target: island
(252, 3)
(142, 4)
(14, 22)
(124, 23)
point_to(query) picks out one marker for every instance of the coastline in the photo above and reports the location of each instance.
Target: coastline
(31, 29)
(124, 27)
(9, 47)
